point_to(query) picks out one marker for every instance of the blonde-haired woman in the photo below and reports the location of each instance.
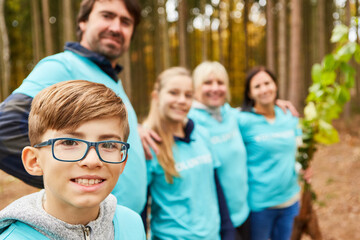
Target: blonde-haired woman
(181, 176)
(211, 110)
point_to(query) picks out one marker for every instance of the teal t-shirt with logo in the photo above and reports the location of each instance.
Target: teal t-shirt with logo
(271, 149)
(187, 208)
(230, 151)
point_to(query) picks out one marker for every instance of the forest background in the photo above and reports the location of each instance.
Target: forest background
(288, 36)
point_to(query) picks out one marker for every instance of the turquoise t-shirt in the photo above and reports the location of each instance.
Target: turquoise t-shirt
(230, 151)
(271, 149)
(187, 208)
(130, 190)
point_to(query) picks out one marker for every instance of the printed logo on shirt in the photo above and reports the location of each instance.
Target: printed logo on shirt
(223, 138)
(191, 163)
(279, 135)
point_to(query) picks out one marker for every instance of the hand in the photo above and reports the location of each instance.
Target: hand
(149, 139)
(287, 105)
(307, 174)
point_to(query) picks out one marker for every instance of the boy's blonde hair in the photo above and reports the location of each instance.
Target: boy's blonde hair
(156, 121)
(203, 71)
(68, 104)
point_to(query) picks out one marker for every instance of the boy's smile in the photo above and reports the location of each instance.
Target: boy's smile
(79, 187)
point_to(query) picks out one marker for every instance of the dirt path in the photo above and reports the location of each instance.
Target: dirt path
(336, 181)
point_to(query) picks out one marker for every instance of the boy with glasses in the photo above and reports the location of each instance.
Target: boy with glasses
(78, 132)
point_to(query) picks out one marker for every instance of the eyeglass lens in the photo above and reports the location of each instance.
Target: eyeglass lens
(72, 150)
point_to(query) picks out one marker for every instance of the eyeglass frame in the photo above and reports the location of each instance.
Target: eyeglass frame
(89, 145)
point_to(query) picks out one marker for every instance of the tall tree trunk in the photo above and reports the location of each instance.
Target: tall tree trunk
(296, 66)
(5, 60)
(282, 49)
(306, 221)
(36, 31)
(162, 42)
(204, 39)
(307, 51)
(347, 107)
(220, 33)
(329, 24)
(165, 38)
(68, 22)
(183, 33)
(321, 32)
(49, 49)
(126, 72)
(357, 76)
(230, 46)
(246, 20)
(270, 36)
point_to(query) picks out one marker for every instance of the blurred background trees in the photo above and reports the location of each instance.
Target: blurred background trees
(288, 36)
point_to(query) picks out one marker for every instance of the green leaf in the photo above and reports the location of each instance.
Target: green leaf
(345, 52)
(329, 62)
(330, 111)
(343, 95)
(310, 111)
(339, 33)
(327, 133)
(316, 91)
(328, 78)
(316, 72)
(357, 54)
(349, 74)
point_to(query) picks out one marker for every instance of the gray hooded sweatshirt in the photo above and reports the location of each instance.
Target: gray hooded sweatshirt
(29, 210)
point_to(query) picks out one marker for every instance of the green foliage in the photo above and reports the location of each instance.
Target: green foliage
(332, 81)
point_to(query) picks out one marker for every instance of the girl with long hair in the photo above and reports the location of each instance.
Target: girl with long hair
(184, 202)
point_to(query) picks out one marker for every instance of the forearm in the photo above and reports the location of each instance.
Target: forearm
(14, 112)
(227, 230)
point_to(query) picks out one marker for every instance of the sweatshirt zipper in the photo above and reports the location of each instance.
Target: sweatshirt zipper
(86, 232)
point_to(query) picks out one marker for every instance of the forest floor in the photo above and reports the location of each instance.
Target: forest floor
(336, 181)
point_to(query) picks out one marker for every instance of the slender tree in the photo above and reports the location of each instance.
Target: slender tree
(5, 60)
(307, 45)
(270, 36)
(357, 77)
(204, 39)
(162, 42)
(164, 36)
(49, 48)
(68, 21)
(36, 31)
(347, 107)
(321, 32)
(221, 30)
(246, 20)
(296, 66)
(282, 49)
(126, 73)
(183, 16)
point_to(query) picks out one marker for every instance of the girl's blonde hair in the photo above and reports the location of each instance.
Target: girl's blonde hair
(156, 121)
(204, 69)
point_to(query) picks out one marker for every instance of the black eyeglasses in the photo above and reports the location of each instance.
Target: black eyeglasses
(73, 149)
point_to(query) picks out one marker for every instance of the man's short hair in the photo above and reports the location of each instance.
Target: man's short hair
(68, 104)
(86, 6)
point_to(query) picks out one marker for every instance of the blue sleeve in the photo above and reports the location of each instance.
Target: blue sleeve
(227, 230)
(144, 213)
(14, 113)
